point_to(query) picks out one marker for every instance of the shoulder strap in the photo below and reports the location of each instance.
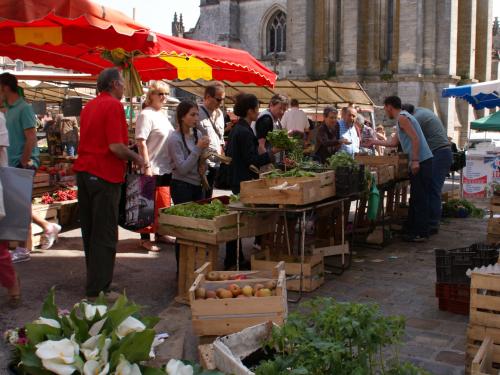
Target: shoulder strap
(216, 130)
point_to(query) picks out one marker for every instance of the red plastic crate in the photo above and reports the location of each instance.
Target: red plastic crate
(454, 292)
(454, 298)
(454, 307)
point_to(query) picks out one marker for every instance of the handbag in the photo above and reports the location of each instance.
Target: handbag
(17, 186)
(137, 202)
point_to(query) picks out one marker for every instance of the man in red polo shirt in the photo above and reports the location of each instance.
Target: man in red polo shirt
(101, 165)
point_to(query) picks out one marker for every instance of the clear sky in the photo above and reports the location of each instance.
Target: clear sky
(158, 14)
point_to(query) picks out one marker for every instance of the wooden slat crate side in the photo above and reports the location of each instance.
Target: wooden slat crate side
(193, 235)
(249, 306)
(187, 222)
(485, 281)
(472, 351)
(309, 283)
(494, 226)
(483, 361)
(226, 326)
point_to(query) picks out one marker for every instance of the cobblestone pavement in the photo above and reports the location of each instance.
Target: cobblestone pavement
(400, 278)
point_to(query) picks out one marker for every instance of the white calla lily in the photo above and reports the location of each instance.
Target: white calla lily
(92, 310)
(105, 350)
(128, 326)
(93, 367)
(126, 368)
(58, 356)
(176, 367)
(89, 348)
(49, 322)
(96, 327)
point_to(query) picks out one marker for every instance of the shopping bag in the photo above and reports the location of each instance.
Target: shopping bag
(2, 205)
(137, 203)
(162, 200)
(17, 185)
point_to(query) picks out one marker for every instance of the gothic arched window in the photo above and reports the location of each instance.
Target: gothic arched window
(276, 33)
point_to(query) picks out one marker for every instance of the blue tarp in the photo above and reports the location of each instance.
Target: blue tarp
(480, 95)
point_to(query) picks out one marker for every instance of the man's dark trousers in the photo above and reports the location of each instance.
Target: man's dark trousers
(98, 205)
(419, 212)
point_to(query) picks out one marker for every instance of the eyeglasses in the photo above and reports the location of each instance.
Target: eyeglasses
(219, 99)
(161, 93)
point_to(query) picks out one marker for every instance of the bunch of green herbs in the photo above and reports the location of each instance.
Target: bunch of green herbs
(197, 210)
(280, 139)
(342, 159)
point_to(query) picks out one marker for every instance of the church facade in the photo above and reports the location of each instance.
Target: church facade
(412, 48)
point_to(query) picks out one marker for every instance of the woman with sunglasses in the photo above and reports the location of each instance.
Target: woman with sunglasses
(152, 131)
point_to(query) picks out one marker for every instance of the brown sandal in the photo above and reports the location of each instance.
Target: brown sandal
(15, 298)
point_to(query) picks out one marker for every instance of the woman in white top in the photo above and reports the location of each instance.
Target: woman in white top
(151, 132)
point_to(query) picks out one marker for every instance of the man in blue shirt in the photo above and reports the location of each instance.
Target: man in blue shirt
(23, 150)
(412, 140)
(349, 132)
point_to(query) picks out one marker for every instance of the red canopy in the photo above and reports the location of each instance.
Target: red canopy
(73, 34)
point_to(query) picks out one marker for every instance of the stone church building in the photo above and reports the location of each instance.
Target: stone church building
(412, 48)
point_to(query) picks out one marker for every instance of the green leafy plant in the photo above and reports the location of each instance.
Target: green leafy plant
(280, 139)
(342, 159)
(197, 210)
(461, 208)
(327, 337)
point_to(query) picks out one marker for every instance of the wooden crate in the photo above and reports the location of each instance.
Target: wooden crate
(313, 269)
(68, 212)
(494, 226)
(218, 230)
(400, 163)
(41, 180)
(299, 190)
(482, 364)
(476, 336)
(485, 300)
(252, 225)
(217, 317)
(192, 256)
(494, 205)
(383, 173)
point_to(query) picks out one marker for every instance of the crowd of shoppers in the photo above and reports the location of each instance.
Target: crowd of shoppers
(174, 156)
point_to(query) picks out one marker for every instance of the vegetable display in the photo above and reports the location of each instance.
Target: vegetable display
(342, 159)
(295, 172)
(197, 210)
(280, 139)
(461, 208)
(59, 196)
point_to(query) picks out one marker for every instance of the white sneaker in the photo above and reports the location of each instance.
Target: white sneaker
(20, 254)
(50, 236)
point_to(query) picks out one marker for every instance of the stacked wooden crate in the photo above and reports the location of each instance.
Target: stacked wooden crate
(399, 161)
(297, 191)
(484, 320)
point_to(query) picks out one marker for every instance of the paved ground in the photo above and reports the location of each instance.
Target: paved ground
(400, 278)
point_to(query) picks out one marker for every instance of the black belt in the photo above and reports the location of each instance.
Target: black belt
(440, 148)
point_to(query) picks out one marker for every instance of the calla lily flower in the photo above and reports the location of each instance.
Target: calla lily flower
(128, 326)
(176, 367)
(126, 368)
(93, 367)
(49, 322)
(58, 356)
(92, 310)
(96, 327)
(89, 348)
